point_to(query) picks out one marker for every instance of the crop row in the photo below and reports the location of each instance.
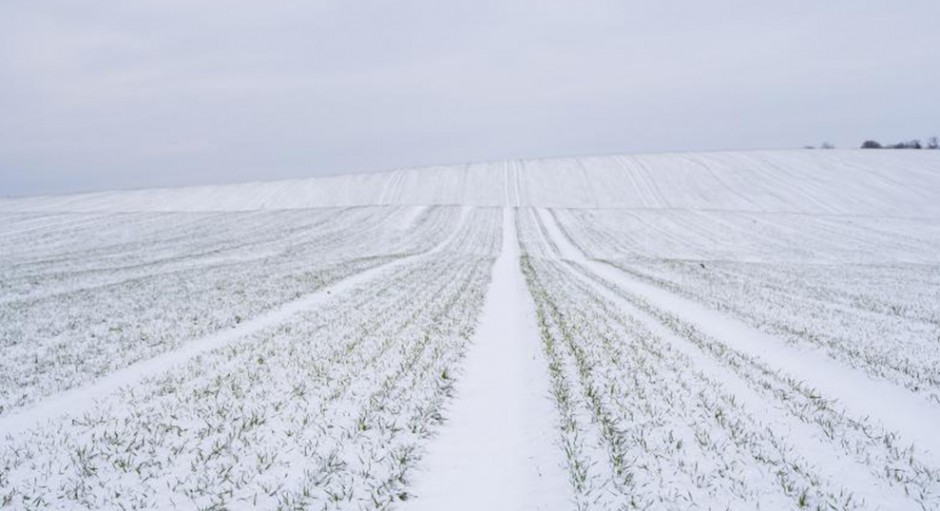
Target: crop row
(641, 425)
(329, 409)
(881, 319)
(584, 333)
(750, 236)
(64, 339)
(880, 451)
(125, 246)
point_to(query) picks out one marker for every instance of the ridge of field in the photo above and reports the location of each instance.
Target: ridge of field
(896, 183)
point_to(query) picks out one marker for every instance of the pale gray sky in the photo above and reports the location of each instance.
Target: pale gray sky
(129, 94)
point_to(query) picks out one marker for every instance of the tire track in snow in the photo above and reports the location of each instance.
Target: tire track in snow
(497, 449)
(506, 199)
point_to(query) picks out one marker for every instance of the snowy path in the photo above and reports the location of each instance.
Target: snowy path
(497, 449)
(913, 417)
(73, 401)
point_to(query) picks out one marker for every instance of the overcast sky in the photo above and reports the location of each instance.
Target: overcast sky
(129, 94)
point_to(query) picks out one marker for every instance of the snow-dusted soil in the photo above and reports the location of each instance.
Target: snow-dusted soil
(714, 331)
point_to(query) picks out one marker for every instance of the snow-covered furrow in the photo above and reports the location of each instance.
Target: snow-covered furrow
(169, 242)
(886, 183)
(827, 459)
(55, 342)
(877, 424)
(752, 236)
(356, 379)
(873, 422)
(75, 400)
(481, 233)
(331, 406)
(869, 331)
(878, 315)
(670, 435)
(158, 239)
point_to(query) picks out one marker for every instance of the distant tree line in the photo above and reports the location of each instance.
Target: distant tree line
(932, 143)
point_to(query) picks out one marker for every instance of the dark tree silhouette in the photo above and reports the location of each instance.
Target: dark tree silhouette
(913, 144)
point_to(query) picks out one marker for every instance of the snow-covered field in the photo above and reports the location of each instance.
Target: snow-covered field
(671, 331)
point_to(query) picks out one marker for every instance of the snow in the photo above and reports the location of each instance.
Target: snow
(817, 449)
(498, 448)
(713, 330)
(914, 417)
(856, 182)
(75, 401)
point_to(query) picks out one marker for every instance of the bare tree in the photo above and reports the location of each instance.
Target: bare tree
(871, 144)
(933, 143)
(827, 145)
